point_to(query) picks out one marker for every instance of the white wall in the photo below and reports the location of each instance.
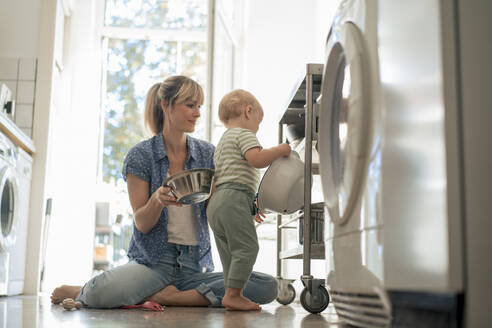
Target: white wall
(19, 28)
(74, 152)
(280, 38)
(278, 42)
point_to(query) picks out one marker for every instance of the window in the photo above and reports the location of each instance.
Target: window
(144, 41)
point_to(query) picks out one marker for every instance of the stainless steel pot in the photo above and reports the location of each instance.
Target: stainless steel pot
(191, 186)
(282, 186)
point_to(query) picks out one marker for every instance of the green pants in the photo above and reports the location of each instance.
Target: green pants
(230, 215)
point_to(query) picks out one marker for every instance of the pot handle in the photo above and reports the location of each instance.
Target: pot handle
(172, 190)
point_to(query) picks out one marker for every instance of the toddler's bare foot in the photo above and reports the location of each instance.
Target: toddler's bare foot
(64, 291)
(239, 303)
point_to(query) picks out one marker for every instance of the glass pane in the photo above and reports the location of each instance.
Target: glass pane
(194, 57)
(165, 14)
(194, 65)
(341, 155)
(7, 208)
(132, 67)
(338, 128)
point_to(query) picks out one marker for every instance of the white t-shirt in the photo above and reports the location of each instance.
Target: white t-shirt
(182, 227)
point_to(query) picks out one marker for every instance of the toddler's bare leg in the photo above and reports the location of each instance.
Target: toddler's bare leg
(171, 296)
(234, 300)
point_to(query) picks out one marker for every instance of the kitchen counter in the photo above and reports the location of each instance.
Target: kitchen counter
(13, 132)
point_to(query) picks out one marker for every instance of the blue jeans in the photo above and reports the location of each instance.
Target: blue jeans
(130, 283)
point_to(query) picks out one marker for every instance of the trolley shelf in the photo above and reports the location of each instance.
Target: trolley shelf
(285, 225)
(317, 252)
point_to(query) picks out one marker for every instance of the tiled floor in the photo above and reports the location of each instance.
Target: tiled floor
(37, 311)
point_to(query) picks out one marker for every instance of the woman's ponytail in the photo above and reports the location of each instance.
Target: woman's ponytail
(154, 115)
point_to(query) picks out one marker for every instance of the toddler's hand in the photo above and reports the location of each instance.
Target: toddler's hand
(258, 217)
(285, 150)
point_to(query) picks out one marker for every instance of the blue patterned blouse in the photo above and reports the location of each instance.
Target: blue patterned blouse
(148, 160)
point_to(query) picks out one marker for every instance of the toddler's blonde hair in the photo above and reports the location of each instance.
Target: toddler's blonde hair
(232, 104)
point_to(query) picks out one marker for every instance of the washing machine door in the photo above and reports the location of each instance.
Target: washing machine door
(344, 121)
(8, 208)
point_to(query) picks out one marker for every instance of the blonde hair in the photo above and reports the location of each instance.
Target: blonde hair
(173, 90)
(233, 103)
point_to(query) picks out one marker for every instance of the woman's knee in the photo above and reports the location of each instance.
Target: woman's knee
(270, 291)
(93, 293)
(264, 288)
(100, 292)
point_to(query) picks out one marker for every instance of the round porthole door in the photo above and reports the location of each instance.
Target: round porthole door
(344, 121)
(8, 207)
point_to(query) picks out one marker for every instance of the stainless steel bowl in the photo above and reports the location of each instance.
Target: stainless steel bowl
(191, 186)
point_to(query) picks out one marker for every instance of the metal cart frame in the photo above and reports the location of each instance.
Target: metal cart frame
(302, 108)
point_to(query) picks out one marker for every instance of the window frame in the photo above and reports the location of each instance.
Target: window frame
(233, 30)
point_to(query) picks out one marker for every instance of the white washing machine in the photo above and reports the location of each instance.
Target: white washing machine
(389, 162)
(9, 210)
(23, 168)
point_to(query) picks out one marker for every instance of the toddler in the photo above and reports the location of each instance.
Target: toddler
(231, 209)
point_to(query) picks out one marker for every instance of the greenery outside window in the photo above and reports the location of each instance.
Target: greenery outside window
(145, 41)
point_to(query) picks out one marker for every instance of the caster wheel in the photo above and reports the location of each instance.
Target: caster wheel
(287, 295)
(315, 303)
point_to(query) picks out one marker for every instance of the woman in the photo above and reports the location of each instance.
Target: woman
(170, 258)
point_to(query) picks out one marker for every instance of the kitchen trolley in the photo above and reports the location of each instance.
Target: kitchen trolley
(300, 117)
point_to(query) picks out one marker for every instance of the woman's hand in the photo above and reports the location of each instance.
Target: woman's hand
(164, 197)
(147, 208)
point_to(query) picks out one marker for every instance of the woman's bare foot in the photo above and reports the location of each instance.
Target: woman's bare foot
(168, 292)
(171, 296)
(239, 303)
(164, 295)
(64, 291)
